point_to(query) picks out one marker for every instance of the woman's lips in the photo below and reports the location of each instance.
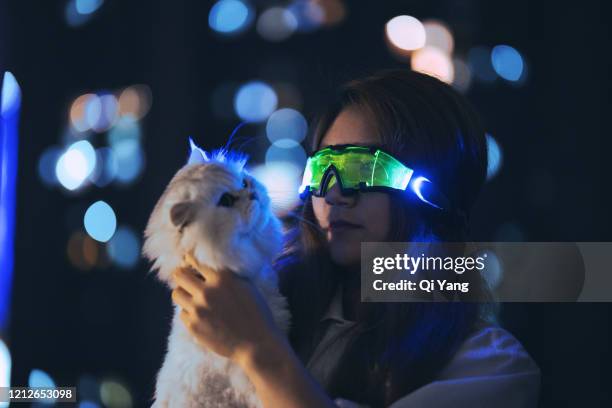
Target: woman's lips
(340, 226)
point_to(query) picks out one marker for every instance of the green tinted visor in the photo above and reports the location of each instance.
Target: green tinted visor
(355, 168)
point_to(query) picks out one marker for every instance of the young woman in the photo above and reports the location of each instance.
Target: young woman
(342, 352)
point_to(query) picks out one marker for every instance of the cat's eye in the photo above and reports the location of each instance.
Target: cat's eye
(226, 200)
(244, 183)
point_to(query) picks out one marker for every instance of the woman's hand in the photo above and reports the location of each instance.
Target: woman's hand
(224, 312)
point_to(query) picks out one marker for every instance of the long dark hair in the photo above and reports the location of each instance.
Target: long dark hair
(397, 347)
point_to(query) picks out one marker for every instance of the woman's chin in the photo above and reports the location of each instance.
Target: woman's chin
(345, 253)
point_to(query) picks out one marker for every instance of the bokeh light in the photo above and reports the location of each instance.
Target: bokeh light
(293, 154)
(230, 16)
(406, 33)
(39, 378)
(100, 221)
(126, 128)
(276, 24)
(46, 165)
(463, 75)
(507, 62)
(83, 252)
(135, 101)
(11, 94)
(494, 157)
(109, 111)
(438, 35)
(334, 11)
(78, 119)
(124, 248)
(282, 180)
(78, 12)
(308, 14)
(75, 165)
(106, 167)
(88, 6)
(286, 123)
(115, 395)
(479, 60)
(5, 368)
(255, 101)
(432, 61)
(129, 159)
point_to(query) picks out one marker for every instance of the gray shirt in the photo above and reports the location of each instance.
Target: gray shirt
(491, 368)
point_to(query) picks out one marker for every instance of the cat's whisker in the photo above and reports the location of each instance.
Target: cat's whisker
(229, 141)
(304, 220)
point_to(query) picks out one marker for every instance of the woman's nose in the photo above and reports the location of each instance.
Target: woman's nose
(334, 196)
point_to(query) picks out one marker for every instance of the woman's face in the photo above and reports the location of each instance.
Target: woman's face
(349, 220)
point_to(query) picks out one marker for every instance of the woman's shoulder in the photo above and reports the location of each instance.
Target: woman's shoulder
(490, 350)
(491, 368)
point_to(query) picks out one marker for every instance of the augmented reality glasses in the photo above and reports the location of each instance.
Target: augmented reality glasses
(365, 168)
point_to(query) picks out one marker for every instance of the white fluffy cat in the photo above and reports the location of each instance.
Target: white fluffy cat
(216, 210)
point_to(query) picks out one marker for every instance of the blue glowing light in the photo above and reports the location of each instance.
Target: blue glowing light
(76, 164)
(417, 186)
(255, 101)
(5, 368)
(127, 127)
(38, 378)
(293, 155)
(88, 6)
(494, 157)
(507, 62)
(9, 115)
(46, 166)
(11, 94)
(286, 124)
(129, 159)
(124, 248)
(100, 221)
(229, 16)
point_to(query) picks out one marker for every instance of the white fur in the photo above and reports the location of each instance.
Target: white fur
(244, 239)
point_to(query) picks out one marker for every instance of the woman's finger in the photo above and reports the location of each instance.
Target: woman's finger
(182, 298)
(205, 271)
(189, 281)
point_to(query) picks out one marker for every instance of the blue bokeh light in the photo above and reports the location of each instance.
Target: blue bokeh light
(38, 378)
(494, 157)
(230, 16)
(286, 123)
(124, 248)
(255, 101)
(88, 6)
(76, 164)
(100, 221)
(129, 159)
(11, 94)
(46, 166)
(293, 155)
(507, 62)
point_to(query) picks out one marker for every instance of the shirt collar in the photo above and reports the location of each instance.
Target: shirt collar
(335, 311)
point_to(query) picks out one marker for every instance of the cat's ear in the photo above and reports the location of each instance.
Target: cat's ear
(182, 214)
(197, 155)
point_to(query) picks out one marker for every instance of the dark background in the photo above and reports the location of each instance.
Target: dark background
(554, 184)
